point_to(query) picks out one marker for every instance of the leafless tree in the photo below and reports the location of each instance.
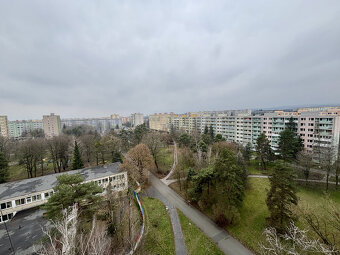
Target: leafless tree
(58, 148)
(87, 145)
(137, 162)
(305, 160)
(154, 140)
(67, 228)
(294, 242)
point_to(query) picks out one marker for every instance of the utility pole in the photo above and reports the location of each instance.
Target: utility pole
(9, 237)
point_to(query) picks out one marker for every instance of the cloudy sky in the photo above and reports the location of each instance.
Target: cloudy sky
(93, 58)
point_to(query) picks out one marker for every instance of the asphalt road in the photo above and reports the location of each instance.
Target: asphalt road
(226, 243)
(180, 246)
(25, 230)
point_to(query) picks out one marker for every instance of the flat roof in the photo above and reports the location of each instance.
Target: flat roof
(38, 184)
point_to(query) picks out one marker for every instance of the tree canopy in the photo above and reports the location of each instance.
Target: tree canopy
(70, 190)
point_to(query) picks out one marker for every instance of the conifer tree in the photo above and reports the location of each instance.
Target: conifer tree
(3, 167)
(289, 143)
(77, 161)
(263, 149)
(281, 197)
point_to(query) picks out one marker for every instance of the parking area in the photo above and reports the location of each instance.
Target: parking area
(25, 230)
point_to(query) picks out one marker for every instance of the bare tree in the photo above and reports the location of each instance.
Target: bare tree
(67, 228)
(305, 159)
(138, 161)
(87, 145)
(58, 148)
(154, 140)
(327, 157)
(294, 242)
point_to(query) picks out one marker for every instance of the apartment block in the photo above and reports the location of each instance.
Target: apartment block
(159, 121)
(316, 126)
(101, 125)
(4, 126)
(18, 127)
(52, 125)
(136, 119)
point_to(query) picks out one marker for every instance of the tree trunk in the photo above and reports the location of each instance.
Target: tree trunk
(327, 182)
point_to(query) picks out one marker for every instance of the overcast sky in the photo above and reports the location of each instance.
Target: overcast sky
(92, 58)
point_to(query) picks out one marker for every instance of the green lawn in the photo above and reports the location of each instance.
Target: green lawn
(166, 159)
(255, 167)
(196, 241)
(254, 210)
(18, 172)
(158, 237)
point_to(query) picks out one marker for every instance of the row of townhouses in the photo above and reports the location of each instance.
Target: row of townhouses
(319, 126)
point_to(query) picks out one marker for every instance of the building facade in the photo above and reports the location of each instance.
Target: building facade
(136, 119)
(18, 127)
(52, 125)
(101, 125)
(4, 126)
(159, 121)
(21, 195)
(317, 127)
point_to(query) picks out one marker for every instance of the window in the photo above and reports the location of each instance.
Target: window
(34, 198)
(39, 197)
(6, 205)
(28, 199)
(47, 195)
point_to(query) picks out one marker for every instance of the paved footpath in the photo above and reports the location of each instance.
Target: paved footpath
(176, 225)
(226, 243)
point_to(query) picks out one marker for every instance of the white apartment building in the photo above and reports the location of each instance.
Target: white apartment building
(137, 119)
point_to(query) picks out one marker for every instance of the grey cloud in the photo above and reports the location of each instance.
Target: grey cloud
(86, 58)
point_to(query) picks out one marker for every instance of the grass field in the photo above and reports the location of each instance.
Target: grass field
(196, 241)
(18, 172)
(254, 210)
(158, 236)
(165, 160)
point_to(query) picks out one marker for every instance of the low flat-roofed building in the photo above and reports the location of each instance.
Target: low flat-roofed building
(24, 194)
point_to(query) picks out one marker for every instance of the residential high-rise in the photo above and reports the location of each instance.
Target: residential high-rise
(18, 127)
(52, 125)
(137, 119)
(101, 125)
(4, 126)
(159, 121)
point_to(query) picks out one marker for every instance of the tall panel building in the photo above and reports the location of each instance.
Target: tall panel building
(18, 127)
(4, 126)
(52, 125)
(137, 119)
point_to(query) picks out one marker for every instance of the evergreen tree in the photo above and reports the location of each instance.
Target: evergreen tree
(191, 174)
(281, 196)
(230, 181)
(211, 132)
(3, 168)
(219, 138)
(263, 149)
(184, 140)
(70, 190)
(77, 161)
(246, 152)
(206, 130)
(289, 143)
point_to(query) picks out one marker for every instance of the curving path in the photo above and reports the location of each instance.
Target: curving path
(180, 246)
(226, 242)
(173, 168)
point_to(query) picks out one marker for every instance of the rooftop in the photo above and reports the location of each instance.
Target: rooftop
(39, 184)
